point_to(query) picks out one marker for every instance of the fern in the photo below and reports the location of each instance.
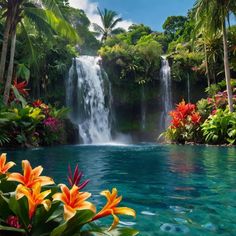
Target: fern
(4, 138)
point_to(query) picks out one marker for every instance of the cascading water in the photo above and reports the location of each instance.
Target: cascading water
(166, 93)
(88, 96)
(143, 109)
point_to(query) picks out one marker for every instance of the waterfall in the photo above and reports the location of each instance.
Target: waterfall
(143, 109)
(88, 95)
(166, 93)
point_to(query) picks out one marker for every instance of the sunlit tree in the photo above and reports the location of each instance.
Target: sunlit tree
(109, 20)
(44, 13)
(212, 16)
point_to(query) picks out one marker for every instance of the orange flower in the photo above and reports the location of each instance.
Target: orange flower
(35, 197)
(111, 208)
(73, 200)
(4, 167)
(196, 118)
(30, 176)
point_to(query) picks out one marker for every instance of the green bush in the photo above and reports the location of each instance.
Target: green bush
(220, 128)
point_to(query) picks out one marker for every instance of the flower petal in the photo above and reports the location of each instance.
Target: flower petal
(27, 169)
(115, 222)
(87, 206)
(16, 177)
(68, 212)
(125, 211)
(47, 204)
(22, 191)
(3, 158)
(45, 180)
(8, 166)
(37, 171)
(58, 197)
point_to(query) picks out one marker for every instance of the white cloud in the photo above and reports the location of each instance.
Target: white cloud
(91, 11)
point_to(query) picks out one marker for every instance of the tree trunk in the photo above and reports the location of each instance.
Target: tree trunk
(10, 69)
(4, 48)
(227, 70)
(207, 66)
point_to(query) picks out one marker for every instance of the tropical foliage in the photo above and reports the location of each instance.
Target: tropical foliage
(32, 124)
(209, 121)
(109, 20)
(134, 55)
(32, 204)
(185, 124)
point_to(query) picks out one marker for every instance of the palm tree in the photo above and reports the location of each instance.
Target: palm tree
(210, 44)
(212, 15)
(109, 21)
(44, 13)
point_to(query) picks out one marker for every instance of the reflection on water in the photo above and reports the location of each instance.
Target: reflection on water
(182, 190)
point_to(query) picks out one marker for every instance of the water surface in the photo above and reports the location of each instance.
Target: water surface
(175, 190)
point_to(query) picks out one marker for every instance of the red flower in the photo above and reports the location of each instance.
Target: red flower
(183, 114)
(37, 103)
(195, 118)
(74, 179)
(13, 221)
(21, 87)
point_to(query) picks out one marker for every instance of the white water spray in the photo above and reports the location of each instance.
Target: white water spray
(167, 102)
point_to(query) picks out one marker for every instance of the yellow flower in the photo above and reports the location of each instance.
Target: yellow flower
(35, 197)
(111, 208)
(73, 200)
(4, 167)
(30, 176)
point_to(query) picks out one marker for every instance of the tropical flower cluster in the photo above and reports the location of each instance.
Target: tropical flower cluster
(209, 121)
(32, 124)
(31, 204)
(184, 114)
(185, 123)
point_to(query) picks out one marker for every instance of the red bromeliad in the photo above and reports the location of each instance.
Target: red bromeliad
(74, 179)
(37, 103)
(184, 114)
(21, 87)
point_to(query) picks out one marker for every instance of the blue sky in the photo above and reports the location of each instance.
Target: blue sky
(149, 12)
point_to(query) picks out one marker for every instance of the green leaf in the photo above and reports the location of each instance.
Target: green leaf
(18, 96)
(74, 224)
(20, 209)
(11, 229)
(23, 72)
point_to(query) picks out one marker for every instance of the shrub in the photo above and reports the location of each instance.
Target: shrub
(32, 124)
(220, 127)
(185, 124)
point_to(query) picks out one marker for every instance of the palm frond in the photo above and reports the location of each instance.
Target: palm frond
(115, 22)
(59, 25)
(52, 6)
(29, 44)
(98, 28)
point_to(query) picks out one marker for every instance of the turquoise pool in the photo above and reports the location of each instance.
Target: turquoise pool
(175, 190)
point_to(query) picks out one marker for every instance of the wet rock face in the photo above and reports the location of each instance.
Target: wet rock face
(72, 132)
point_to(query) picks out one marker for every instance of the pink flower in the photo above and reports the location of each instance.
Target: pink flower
(51, 122)
(13, 221)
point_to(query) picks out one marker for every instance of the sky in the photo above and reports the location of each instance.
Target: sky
(152, 13)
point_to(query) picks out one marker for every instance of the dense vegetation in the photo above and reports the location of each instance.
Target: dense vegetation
(38, 42)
